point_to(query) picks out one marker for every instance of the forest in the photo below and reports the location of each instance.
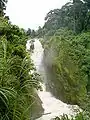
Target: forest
(65, 37)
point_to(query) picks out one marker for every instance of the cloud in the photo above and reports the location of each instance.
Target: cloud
(31, 13)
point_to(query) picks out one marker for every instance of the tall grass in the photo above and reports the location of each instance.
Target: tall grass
(16, 82)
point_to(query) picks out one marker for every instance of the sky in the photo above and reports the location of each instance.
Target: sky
(31, 13)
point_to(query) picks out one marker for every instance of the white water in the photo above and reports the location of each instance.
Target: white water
(52, 106)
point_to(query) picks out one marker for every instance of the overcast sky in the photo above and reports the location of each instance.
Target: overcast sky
(31, 13)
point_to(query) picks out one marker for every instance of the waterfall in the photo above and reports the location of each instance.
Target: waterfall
(52, 107)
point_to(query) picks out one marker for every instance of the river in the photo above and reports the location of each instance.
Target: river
(52, 107)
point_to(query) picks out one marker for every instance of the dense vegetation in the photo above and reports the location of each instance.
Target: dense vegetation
(75, 15)
(66, 43)
(16, 81)
(80, 116)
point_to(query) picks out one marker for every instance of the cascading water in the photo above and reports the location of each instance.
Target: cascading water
(52, 107)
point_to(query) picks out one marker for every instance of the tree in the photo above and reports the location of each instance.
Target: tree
(33, 33)
(87, 23)
(2, 7)
(87, 3)
(74, 15)
(29, 31)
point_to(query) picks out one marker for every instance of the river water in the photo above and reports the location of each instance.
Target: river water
(52, 107)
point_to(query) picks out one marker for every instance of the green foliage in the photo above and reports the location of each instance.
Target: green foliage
(66, 44)
(75, 15)
(80, 116)
(69, 55)
(16, 82)
(2, 6)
